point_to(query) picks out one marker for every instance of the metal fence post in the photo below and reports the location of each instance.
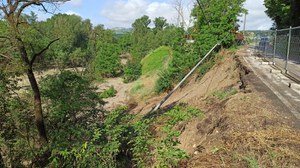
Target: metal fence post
(274, 51)
(265, 46)
(288, 49)
(255, 47)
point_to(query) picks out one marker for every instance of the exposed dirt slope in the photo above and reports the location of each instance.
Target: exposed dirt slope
(249, 127)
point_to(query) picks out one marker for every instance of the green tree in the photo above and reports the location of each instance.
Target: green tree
(284, 13)
(74, 34)
(139, 36)
(105, 50)
(72, 104)
(18, 135)
(19, 28)
(215, 21)
(279, 12)
(107, 61)
(159, 24)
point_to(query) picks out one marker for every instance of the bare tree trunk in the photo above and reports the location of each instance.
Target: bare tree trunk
(38, 112)
(295, 13)
(181, 6)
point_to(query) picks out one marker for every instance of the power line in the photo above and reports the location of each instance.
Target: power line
(201, 9)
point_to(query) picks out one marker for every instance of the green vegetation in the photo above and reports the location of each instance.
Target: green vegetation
(283, 13)
(132, 72)
(207, 31)
(252, 162)
(153, 65)
(164, 83)
(137, 87)
(223, 94)
(110, 92)
(156, 61)
(163, 149)
(143, 40)
(60, 121)
(120, 142)
(168, 154)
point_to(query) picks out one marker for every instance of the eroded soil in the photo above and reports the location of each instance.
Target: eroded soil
(251, 128)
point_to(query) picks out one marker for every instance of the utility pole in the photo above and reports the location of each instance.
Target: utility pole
(245, 19)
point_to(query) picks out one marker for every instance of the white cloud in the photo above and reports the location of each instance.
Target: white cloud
(122, 13)
(165, 10)
(69, 12)
(256, 18)
(74, 2)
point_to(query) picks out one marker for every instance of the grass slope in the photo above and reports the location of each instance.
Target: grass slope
(153, 64)
(156, 61)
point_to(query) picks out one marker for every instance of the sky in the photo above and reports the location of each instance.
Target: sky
(122, 13)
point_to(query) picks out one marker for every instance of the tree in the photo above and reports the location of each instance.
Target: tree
(12, 12)
(74, 34)
(181, 7)
(279, 12)
(140, 25)
(214, 21)
(284, 13)
(107, 61)
(160, 23)
(295, 13)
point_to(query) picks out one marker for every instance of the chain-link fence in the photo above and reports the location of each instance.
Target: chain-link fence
(281, 47)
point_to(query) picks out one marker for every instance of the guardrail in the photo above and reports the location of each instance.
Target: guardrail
(186, 76)
(281, 48)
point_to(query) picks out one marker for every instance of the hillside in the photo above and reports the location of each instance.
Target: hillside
(119, 31)
(152, 66)
(244, 124)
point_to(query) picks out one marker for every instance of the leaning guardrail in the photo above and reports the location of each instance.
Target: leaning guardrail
(281, 47)
(181, 82)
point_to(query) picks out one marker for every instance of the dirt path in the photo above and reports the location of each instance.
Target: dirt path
(23, 79)
(276, 82)
(122, 96)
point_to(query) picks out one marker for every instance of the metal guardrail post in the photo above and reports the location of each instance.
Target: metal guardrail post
(288, 49)
(274, 51)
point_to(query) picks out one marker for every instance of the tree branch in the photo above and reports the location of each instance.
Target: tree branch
(7, 57)
(13, 7)
(28, 3)
(3, 8)
(4, 37)
(42, 51)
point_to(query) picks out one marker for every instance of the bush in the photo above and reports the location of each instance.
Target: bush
(110, 92)
(106, 147)
(132, 71)
(164, 83)
(107, 62)
(168, 155)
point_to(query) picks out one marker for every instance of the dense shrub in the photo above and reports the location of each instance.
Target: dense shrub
(132, 71)
(110, 92)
